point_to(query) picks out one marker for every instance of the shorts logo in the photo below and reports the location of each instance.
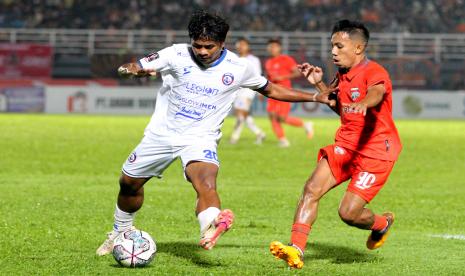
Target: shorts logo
(151, 57)
(339, 150)
(227, 78)
(132, 157)
(354, 93)
(365, 180)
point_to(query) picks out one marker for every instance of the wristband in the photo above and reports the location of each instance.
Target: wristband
(314, 96)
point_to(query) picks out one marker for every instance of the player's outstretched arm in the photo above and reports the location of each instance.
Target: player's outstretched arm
(281, 93)
(134, 70)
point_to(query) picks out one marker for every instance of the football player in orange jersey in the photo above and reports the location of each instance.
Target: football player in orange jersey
(280, 69)
(366, 146)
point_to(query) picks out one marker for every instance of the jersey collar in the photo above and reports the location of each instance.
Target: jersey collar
(213, 64)
(220, 59)
(356, 69)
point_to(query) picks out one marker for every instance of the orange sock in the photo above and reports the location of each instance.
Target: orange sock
(380, 223)
(299, 235)
(294, 121)
(277, 129)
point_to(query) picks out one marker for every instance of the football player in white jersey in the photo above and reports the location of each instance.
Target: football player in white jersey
(245, 97)
(200, 81)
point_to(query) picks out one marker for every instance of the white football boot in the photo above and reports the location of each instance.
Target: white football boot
(107, 246)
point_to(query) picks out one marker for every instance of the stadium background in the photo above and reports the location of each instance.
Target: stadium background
(422, 44)
(60, 57)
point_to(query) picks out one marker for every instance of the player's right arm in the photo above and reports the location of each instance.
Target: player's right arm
(134, 70)
(149, 65)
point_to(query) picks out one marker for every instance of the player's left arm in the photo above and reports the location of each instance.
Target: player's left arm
(375, 95)
(281, 93)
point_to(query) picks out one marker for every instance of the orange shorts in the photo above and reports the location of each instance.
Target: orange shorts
(278, 107)
(367, 175)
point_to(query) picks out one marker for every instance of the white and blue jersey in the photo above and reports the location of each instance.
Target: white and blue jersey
(194, 100)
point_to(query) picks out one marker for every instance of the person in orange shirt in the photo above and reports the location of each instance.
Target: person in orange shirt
(366, 147)
(281, 69)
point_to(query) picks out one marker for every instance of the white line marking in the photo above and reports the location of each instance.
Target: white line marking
(449, 237)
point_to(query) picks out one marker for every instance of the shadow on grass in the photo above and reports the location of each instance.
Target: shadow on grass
(115, 265)
(189, 251)
(339, 254)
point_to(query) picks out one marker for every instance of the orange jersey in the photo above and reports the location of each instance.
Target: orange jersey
(281, 65)
(374, 135)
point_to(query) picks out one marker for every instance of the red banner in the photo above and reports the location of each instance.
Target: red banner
(25, 60)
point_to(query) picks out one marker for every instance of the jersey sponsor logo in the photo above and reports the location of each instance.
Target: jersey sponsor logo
(132, 157)
(228, 78)
(339, 150)
(347, 109)
(191, 113)
(194, 103)
(365, 180)
(197, 89)
(151, 57)
(354, 93)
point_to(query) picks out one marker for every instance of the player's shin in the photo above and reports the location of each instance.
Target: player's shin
(237, 129)
(252, 126)
(299, 235)
(123, 220)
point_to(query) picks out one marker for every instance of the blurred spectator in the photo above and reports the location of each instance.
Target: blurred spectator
(417, 16)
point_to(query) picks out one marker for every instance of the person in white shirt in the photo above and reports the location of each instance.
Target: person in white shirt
(200, 81)
(245, 97)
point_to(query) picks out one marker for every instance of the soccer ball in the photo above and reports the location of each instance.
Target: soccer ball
(134, 248)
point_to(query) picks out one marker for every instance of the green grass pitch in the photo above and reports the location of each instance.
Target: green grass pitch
(58, 184)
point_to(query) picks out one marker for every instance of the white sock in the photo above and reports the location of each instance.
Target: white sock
(207, 216)
(238, 128)
(123, 220)
(251, 124)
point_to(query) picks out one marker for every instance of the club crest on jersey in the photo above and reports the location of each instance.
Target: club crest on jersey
(151, 57)
(339, 150)
(132, 157)
(227, 78)
(354, 93)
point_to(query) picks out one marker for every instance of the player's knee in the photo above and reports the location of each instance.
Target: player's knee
(281, 119)
(129, 185)
(312, 190)
(348, 215)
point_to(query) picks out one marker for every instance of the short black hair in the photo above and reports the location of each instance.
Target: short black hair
(243, 38)
(208, 26)
(276, 40)
(352, 28)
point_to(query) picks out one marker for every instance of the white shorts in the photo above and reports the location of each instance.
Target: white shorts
(244, 99)
(152, 156)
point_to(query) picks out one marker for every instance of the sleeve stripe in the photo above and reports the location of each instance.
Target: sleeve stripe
(261, 89)
(140, 64)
